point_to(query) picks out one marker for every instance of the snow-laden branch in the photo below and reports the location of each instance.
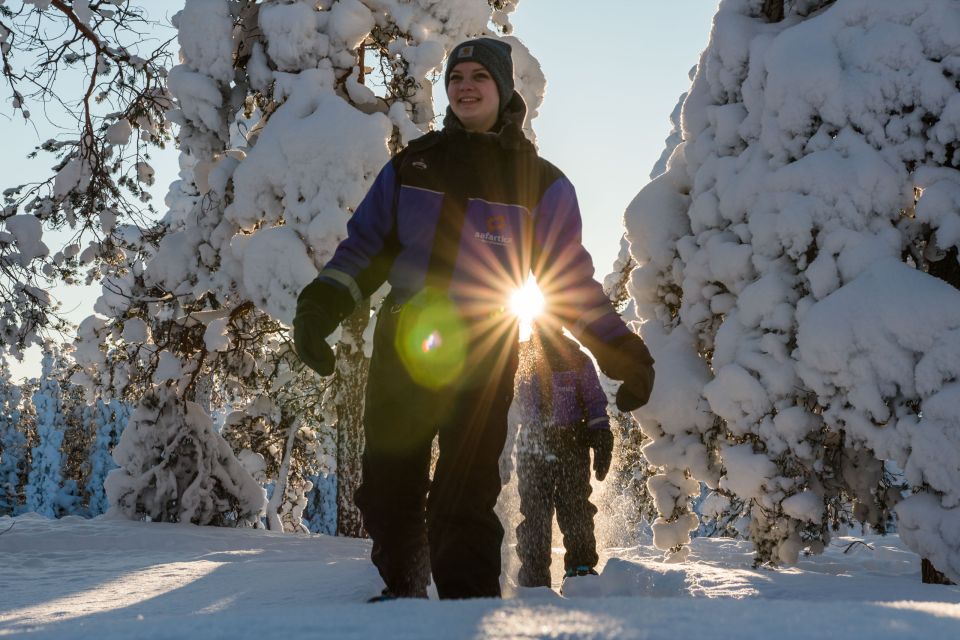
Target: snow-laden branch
(97, 185)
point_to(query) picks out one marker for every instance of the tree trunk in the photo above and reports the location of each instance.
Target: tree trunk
(351, 381)
(274, 523)
(773, 10)
(930, 575)
(948, 270)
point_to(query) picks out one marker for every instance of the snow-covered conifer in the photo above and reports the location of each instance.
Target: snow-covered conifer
(78, 434)
(625, 497)
(320, 515)
(675, 136)
(108, 420)
(175, 468)
(47, 491)
(13, 444)
(784, 274)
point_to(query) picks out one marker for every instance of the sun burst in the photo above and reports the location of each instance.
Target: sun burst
(527, 303)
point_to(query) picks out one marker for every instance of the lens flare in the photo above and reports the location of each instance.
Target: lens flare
(527, 303)
(432, 342)
(432, 339)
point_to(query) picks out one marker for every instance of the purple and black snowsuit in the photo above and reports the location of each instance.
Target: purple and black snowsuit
(461, 218)
(560, 399)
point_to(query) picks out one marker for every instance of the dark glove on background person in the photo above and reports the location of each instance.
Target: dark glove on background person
(601, 441)
(321, 306)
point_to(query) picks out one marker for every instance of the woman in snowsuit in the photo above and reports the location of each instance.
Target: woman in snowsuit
(455, 222)
(564, 416)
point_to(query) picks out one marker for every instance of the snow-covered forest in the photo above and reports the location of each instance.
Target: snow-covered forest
(792, 263)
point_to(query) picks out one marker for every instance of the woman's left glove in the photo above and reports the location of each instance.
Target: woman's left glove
(634, 365)
(601, 441)
(629, 360)
(321, 306)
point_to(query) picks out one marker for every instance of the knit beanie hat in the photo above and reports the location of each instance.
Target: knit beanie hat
(494, 55)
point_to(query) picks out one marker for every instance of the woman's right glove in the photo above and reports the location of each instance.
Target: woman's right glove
(321, 306)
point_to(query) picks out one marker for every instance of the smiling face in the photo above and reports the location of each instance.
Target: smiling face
(473, 96)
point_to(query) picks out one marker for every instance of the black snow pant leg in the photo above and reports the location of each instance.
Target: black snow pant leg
(396, 468)
(575, 512)
(464, 531)
(535, 483)
(392, 499)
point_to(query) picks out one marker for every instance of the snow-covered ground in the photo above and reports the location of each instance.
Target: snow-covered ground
(110, 578)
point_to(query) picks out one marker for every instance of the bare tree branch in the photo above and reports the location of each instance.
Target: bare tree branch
(104, 133)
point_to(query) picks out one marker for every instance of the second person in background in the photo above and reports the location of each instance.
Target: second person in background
(563, 416)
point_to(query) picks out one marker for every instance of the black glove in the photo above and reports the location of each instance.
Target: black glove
(601, 441)
(627, 359)
(321, 306)
(636, 388)
(629, 399)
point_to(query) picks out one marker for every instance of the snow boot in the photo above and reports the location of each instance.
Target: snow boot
(582, 570)
(385, 596)
(388, 594)
(573, 572)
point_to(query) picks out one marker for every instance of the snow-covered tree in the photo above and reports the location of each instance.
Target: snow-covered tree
(625, 496)
(280, 450)
(13, 444)
(674, 138)
(92, 73)
(47, 491)
(785, 261)
(78, 436)
(107, 422)
(320, 516)
(287, 110)
(630, 497)
(175, 468)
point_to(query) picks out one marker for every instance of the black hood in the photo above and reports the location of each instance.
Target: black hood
(508, 128)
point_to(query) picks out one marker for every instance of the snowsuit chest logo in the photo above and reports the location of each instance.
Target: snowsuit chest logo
(496, 232)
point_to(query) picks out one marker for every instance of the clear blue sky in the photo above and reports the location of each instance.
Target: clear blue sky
(614, 70)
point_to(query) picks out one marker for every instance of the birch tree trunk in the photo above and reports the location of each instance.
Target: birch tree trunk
(274, 523)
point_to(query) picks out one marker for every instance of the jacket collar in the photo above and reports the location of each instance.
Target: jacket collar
(508, 130)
